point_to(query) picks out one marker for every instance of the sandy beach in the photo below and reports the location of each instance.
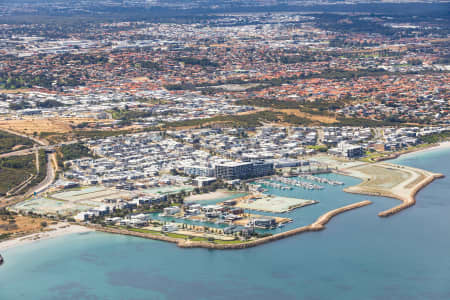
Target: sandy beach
(442, 145)
(56, 231)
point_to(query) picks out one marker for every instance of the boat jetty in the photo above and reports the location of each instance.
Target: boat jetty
(274, 185)
(320, 179)
(297, 183)
(286, 183)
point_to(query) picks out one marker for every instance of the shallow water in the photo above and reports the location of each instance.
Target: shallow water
(358, 256)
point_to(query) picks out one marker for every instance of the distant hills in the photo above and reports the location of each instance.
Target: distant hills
(132, 10)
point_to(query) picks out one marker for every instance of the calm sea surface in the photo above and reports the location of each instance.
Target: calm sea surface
(359, 256)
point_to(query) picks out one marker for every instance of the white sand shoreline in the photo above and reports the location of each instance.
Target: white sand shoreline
(58, 230)
(440, 146)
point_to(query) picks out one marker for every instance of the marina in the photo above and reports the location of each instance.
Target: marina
(287, 183)
(297, 183)
(320, 179)
(49, 258)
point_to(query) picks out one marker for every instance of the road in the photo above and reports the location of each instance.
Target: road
(51, 169)
(49, 178)
(41, 187)
(36, 140)
(35, 148)
(18, 153)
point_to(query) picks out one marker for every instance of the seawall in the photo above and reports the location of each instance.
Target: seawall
(319, 224)
(409, 200)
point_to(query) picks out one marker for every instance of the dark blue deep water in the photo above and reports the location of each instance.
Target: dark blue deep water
(358, 256)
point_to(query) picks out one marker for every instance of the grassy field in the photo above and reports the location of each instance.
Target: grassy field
(11, 142)
(15, 170)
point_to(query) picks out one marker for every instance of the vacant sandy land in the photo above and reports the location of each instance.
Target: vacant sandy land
(299, 113)
(24, 224)
(15, 91)
(76, 121)
(382, 176)
(390, 180)
(274, 204)
(209, 196)
(141, 79)
(58, 125)
(30, 126)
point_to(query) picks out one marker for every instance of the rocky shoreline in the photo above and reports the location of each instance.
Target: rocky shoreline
(409, 200)
(405, 194)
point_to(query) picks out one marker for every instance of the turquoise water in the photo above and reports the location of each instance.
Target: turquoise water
(358, 256)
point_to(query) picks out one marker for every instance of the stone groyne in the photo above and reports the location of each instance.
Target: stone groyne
(318, 225)
(409, 200)
(407, 195)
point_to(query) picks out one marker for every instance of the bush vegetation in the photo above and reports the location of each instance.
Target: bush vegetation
(75, 151)
(15, 170)
(436, 137)
(8, 141)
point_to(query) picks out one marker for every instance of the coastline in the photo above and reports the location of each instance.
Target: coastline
(317, 225)
(57, 231)
(431, 147)
(408, 200)
(404, 191)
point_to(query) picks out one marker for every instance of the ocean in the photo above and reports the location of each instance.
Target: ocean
(358, 256)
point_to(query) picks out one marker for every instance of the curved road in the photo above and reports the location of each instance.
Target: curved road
(49, 178)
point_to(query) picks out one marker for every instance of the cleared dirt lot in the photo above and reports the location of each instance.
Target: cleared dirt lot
(298, 113)
(383, 177)
(30, 126)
